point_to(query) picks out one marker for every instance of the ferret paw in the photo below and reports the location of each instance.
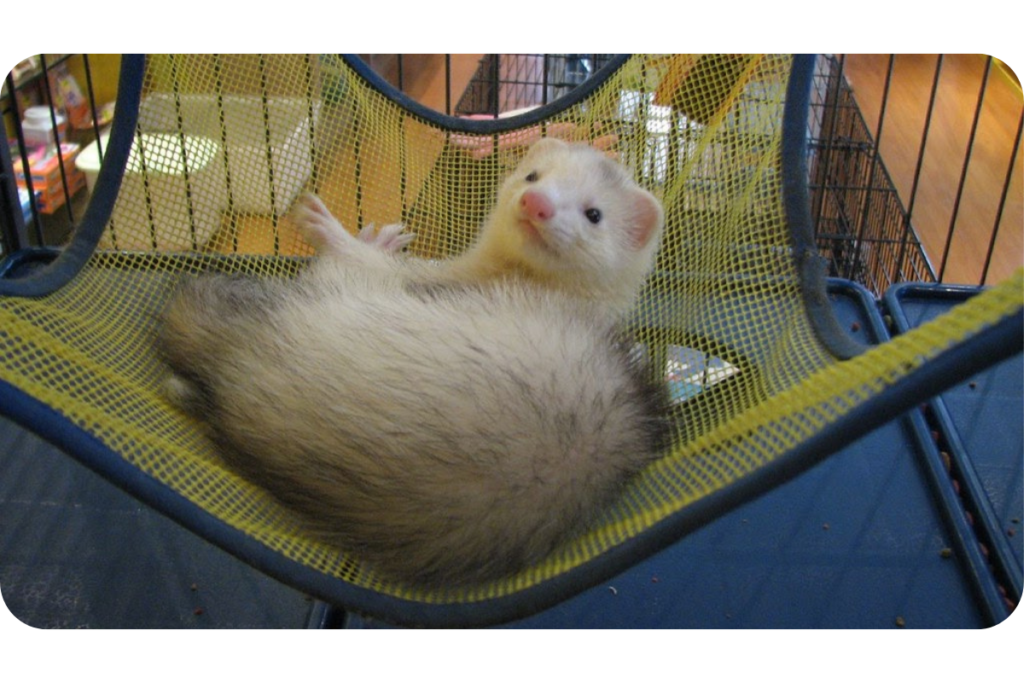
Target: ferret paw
(317, 225)
(320, 228)
(389, 238)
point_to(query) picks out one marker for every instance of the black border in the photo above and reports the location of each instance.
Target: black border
(797, 204)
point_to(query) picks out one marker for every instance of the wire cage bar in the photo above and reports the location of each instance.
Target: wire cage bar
(863, 227)
(504, 83)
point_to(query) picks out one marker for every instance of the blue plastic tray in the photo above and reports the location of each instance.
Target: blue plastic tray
(979, 430)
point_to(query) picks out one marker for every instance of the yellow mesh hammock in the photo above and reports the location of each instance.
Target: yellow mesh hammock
(208, 152)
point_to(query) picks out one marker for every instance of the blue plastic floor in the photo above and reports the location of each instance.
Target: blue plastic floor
(77, 552)
(977, 425)
(867, 539)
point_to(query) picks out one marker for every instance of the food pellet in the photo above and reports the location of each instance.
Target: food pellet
(901, 622)
(946, 553)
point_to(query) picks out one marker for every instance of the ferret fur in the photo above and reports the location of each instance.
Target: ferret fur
(606, 261)
(445, 439)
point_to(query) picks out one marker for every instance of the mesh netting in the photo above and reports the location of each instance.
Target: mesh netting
(223, 146)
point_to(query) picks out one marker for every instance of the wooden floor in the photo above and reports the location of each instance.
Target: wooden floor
(943, 162)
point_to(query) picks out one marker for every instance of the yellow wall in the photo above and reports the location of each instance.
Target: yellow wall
(104, 70)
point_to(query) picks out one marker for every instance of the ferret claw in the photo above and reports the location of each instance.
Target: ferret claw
(392, 239)
(389, 238)
(315, 222)
(367, 234)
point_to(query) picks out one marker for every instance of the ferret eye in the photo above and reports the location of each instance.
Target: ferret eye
(593, 215)
(532, 177)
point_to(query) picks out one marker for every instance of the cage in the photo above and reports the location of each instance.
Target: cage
(505, 83)
(862, 226)
(767, 383)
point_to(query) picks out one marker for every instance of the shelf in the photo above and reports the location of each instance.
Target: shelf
(31, 76)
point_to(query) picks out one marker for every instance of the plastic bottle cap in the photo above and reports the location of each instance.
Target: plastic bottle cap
(39, 116)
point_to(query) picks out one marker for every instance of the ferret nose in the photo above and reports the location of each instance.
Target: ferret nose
(536, 206)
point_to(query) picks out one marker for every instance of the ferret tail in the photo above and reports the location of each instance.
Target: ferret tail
(199, 323)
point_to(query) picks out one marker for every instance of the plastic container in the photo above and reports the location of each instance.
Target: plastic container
(171, 196)
(245, 126)
(88, 160)
(38, 128)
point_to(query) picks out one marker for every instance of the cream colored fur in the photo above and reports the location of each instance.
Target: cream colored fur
(447, 424)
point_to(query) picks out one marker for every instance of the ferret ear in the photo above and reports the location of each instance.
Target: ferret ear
(648, 219)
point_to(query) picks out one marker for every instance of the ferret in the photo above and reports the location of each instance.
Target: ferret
(568, 218)
(446, 425)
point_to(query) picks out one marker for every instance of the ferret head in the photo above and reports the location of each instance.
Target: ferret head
(573, 216)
